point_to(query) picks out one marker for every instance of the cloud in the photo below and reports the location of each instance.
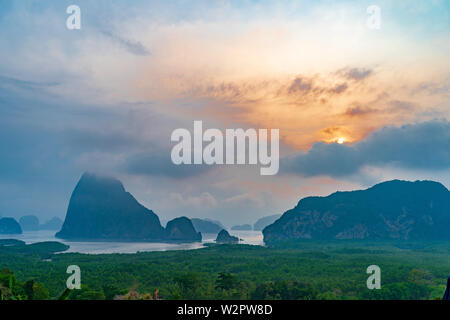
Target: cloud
(334, 133)
(300, 85)
(339, 88)
(159, 163)
(69, 99)
(245, 200)
(423, 145)
(356, 73)
(305, 105)
(204, 200)
(358, 111)
(134, 47)
(98, 139)
(24, 84)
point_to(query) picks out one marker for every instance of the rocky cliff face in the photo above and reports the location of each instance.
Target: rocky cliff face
(391, 210)
(9, 226)
(225, 237)
(100, 208)
(181, 229)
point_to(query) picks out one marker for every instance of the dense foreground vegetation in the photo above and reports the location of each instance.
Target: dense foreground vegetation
(309, 270)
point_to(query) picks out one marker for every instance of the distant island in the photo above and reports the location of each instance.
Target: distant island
(101, 209)
(263, 222)
(54, 223)
(392, 210)
(225, 237)
(29, 223)
(242, 227)
(206, 225)
(43, 249)
(182, 229)
(9, 226)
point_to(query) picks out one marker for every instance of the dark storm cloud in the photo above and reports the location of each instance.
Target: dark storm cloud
(415, 146)
(47, 143)
(46, 138)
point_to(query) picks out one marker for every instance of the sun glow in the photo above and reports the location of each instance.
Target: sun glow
(340, 140)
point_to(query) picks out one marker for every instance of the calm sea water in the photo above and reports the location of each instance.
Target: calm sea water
(248, 237)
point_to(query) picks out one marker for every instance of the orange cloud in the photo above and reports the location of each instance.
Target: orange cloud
(276, 75)
(308, 109)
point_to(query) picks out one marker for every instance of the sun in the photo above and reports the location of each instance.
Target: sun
(340, 140)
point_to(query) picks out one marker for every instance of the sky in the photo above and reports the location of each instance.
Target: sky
(106, 98)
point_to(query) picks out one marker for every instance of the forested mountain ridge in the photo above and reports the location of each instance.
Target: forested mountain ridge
(390, 210)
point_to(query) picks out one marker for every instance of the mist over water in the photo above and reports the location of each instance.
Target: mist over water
(94, 247)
